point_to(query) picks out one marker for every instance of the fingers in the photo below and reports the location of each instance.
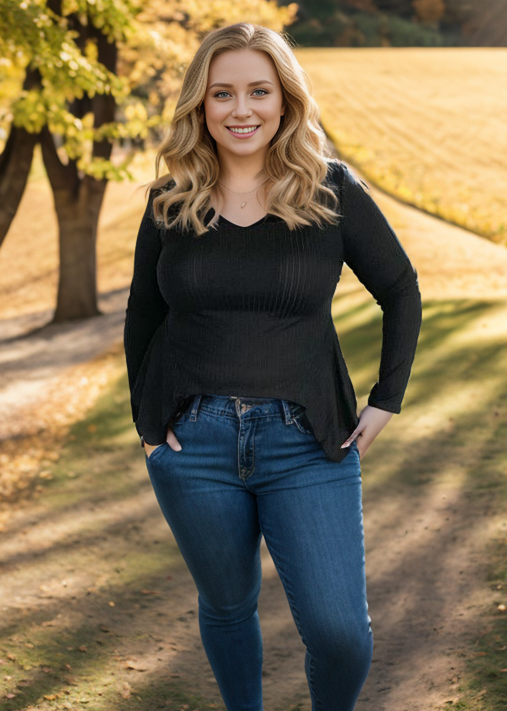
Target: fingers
(350, 439)
(172, 441)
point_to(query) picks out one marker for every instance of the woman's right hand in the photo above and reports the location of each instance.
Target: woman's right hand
(171, 441)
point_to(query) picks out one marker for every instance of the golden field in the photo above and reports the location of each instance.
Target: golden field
(428, 125)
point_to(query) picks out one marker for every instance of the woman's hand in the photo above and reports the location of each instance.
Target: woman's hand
(171, 441)
(372, 420)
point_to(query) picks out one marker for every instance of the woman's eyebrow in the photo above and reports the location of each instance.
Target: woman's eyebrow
(252, 83)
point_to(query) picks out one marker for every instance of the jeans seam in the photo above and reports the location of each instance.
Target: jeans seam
(318, 705)
(300, 426)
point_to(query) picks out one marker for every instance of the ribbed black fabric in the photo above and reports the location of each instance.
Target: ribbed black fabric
(247, 311)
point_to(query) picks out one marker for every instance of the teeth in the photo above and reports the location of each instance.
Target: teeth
(243, 130)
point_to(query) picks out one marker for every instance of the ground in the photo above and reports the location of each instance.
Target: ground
(97, 603)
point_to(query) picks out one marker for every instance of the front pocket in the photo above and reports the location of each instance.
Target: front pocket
(160, 446)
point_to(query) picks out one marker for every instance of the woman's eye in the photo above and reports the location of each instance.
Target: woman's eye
(217, 95)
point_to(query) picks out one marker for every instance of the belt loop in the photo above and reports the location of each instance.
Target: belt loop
(195, 408)
(287, 412)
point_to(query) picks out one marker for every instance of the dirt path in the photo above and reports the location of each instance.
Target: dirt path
(61, 548)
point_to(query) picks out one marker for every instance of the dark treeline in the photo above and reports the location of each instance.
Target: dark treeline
(378, 23)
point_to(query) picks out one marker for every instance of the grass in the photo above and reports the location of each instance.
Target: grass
(452, 437)
(89, 564)
(424, 124)
(87, 589)
(485, 686)
(89, 627)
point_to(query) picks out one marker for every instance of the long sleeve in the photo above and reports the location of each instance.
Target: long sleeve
(377, 258)
(146, 308)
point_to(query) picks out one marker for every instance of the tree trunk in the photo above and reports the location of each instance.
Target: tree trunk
(78, 197)
(15, 163)
(77, 241)
(77, 201)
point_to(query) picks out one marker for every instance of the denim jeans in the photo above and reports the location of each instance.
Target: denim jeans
(251, 467)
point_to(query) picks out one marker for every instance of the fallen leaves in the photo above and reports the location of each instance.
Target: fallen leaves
(32, 440)
(126, 691)
(135, 665)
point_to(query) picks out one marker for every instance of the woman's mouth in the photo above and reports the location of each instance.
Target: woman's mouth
(242, 132)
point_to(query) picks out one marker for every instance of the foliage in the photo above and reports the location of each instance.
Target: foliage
(364, 29)
(60, 48)
(410, 34)
(425, 23)
(429, 11)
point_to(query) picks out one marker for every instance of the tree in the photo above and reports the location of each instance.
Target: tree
(402, 8)
(486, 25)
(429, 12)
(90, 74)
(363, 5)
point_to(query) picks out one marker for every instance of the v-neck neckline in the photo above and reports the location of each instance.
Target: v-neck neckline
(243, 227)
(222, 219)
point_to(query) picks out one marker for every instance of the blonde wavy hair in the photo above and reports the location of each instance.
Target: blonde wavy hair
(297, 160)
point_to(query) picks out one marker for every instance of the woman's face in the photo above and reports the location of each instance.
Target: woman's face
(243, 91)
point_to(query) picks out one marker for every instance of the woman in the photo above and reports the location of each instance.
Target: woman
(239, 388)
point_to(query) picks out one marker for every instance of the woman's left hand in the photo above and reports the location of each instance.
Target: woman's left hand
(372, 420)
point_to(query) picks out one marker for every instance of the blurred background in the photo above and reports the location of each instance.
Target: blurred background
(98, 606)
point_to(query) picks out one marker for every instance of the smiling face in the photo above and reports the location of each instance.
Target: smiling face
(243, 92)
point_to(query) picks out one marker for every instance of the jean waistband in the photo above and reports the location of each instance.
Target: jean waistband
(239, 406)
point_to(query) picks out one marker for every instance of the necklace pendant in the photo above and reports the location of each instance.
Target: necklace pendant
(243, 204)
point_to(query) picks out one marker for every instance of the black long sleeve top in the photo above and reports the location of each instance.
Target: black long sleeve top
(247, 311)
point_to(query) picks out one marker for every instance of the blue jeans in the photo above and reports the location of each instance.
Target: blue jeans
(251, 467)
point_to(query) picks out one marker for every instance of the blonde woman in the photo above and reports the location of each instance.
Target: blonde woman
(240, 392)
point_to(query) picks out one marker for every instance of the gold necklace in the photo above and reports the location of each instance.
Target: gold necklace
(247, 193)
